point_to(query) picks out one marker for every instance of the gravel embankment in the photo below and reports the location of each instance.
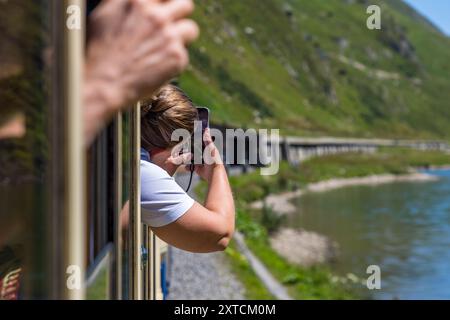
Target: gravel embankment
(201, 276)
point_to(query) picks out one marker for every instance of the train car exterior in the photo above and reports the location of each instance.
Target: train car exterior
(70, 224)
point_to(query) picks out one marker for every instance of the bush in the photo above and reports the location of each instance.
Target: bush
(248, 227)
(270, 219)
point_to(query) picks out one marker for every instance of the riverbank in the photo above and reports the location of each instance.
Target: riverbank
(315, 282)
(389, 225)
(306, 248)
(386, 164)
(280, 203)
(311, 276)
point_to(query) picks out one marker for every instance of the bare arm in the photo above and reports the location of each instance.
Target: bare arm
(210, 227)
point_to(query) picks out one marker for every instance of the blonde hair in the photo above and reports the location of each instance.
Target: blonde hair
(168, 110)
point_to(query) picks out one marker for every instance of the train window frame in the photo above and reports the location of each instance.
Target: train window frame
(69, 204)
(70, 226)
(102, 267)
(54, 241)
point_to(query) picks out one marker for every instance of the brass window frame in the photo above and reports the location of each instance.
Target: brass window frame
(136, 263)
(68, 210)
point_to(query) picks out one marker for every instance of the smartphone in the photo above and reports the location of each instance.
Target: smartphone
(203, 117)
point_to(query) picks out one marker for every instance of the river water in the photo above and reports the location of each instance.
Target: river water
(404, 228)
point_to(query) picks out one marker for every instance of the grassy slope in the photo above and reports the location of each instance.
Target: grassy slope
(287, 70)
(254, 288)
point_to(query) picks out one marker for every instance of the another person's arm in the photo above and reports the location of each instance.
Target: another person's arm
(134, 47)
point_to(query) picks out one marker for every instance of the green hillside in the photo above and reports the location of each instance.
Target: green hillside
(313, 68)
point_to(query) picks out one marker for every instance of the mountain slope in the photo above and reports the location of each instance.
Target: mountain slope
(313, 68)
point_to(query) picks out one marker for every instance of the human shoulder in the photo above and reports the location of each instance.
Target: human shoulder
(150, 171)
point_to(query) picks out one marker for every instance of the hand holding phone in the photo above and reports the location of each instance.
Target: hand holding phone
(203, 116)
(198, 144)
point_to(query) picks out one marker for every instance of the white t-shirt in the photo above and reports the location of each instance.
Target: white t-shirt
(162, 200)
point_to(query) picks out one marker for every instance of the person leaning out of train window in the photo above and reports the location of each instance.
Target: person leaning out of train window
(173, 215)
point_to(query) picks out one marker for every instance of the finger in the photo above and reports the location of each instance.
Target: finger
(187, 29)
(207, 137)
(105, 13)
(187, 157)
(177, 9)
(181, 159)
(112, 4)
(198, 168)
(139, 2)
(177, 149)
(210, 154)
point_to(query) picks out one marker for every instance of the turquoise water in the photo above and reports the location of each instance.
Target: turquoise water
(402, 227)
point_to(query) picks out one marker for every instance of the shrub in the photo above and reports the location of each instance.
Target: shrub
(270, 219)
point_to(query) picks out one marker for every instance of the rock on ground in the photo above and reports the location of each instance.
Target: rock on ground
(305, 248)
